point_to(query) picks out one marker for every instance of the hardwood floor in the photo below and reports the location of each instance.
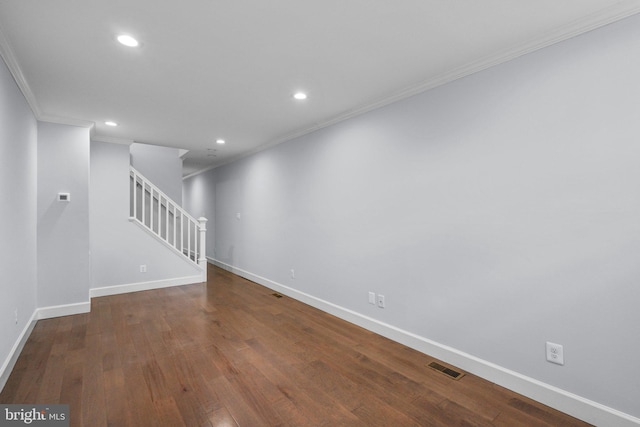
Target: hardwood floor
(228, 353)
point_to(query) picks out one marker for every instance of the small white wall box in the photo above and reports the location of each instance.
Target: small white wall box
(64, 197)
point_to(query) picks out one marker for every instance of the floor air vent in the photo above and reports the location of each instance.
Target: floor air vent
(449, 372)
(277, 295)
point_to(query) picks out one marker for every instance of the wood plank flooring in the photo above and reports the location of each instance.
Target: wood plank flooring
(228, 353)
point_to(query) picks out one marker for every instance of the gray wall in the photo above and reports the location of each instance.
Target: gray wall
(18, 239)
(45, 258)
(160, 165)
(64, 266)
(119, 246)
(494, 213)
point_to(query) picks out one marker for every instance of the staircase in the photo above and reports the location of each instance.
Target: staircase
(167, 221)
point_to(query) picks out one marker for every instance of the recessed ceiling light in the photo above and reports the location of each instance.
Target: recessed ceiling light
(110, 123)
(300, 96)
(128, 40)
(220, 141)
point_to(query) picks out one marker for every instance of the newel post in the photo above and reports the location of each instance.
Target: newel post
(202, 259)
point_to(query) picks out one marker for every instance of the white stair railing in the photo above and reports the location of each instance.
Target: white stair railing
(166, 220)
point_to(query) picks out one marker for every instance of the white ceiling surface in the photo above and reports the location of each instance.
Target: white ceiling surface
(210, 69)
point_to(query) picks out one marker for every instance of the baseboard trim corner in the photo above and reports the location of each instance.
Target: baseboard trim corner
(63, 310)
(562, 400)
(12, 357)
(80, 308)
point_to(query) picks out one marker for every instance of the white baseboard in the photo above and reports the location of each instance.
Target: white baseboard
(143, 286)
(62, 310)
(10, 361)
(38, 314)
(79, 308)
(569, 403)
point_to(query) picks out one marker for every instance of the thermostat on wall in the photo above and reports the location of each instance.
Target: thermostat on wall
(64, 197)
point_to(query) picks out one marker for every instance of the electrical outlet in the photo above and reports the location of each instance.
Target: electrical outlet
(143, 268)
(293, 273)
(381, 301)
(16, 315)
(555, 353)
(372, 298)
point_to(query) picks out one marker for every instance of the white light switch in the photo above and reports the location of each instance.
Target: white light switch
(372, 297)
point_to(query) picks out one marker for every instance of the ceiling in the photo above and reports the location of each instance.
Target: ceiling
(209, 69)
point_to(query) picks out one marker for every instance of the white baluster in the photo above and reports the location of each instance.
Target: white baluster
(202, 259)
(144, 203)
(151, 198)
(181, 233)
(194, 246)
(189, 239)
(135, 195)
(166, 220)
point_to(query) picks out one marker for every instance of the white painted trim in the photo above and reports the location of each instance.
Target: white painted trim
(10, 59)
(70, 121)
(12, 64)
(143, 286)
(63, 310)
(38, 314)
(111, 140)
(569, 403)
(12, 357)
(147, 187)
(609, 15)
(79, 308)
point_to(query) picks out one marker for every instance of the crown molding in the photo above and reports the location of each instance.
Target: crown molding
(12, 64)
(49, 118)
(621, 10)
(111, 140)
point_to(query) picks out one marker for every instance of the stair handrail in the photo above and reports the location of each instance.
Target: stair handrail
(195, 253)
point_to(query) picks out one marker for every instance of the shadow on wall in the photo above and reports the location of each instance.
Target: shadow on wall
(51, 216)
